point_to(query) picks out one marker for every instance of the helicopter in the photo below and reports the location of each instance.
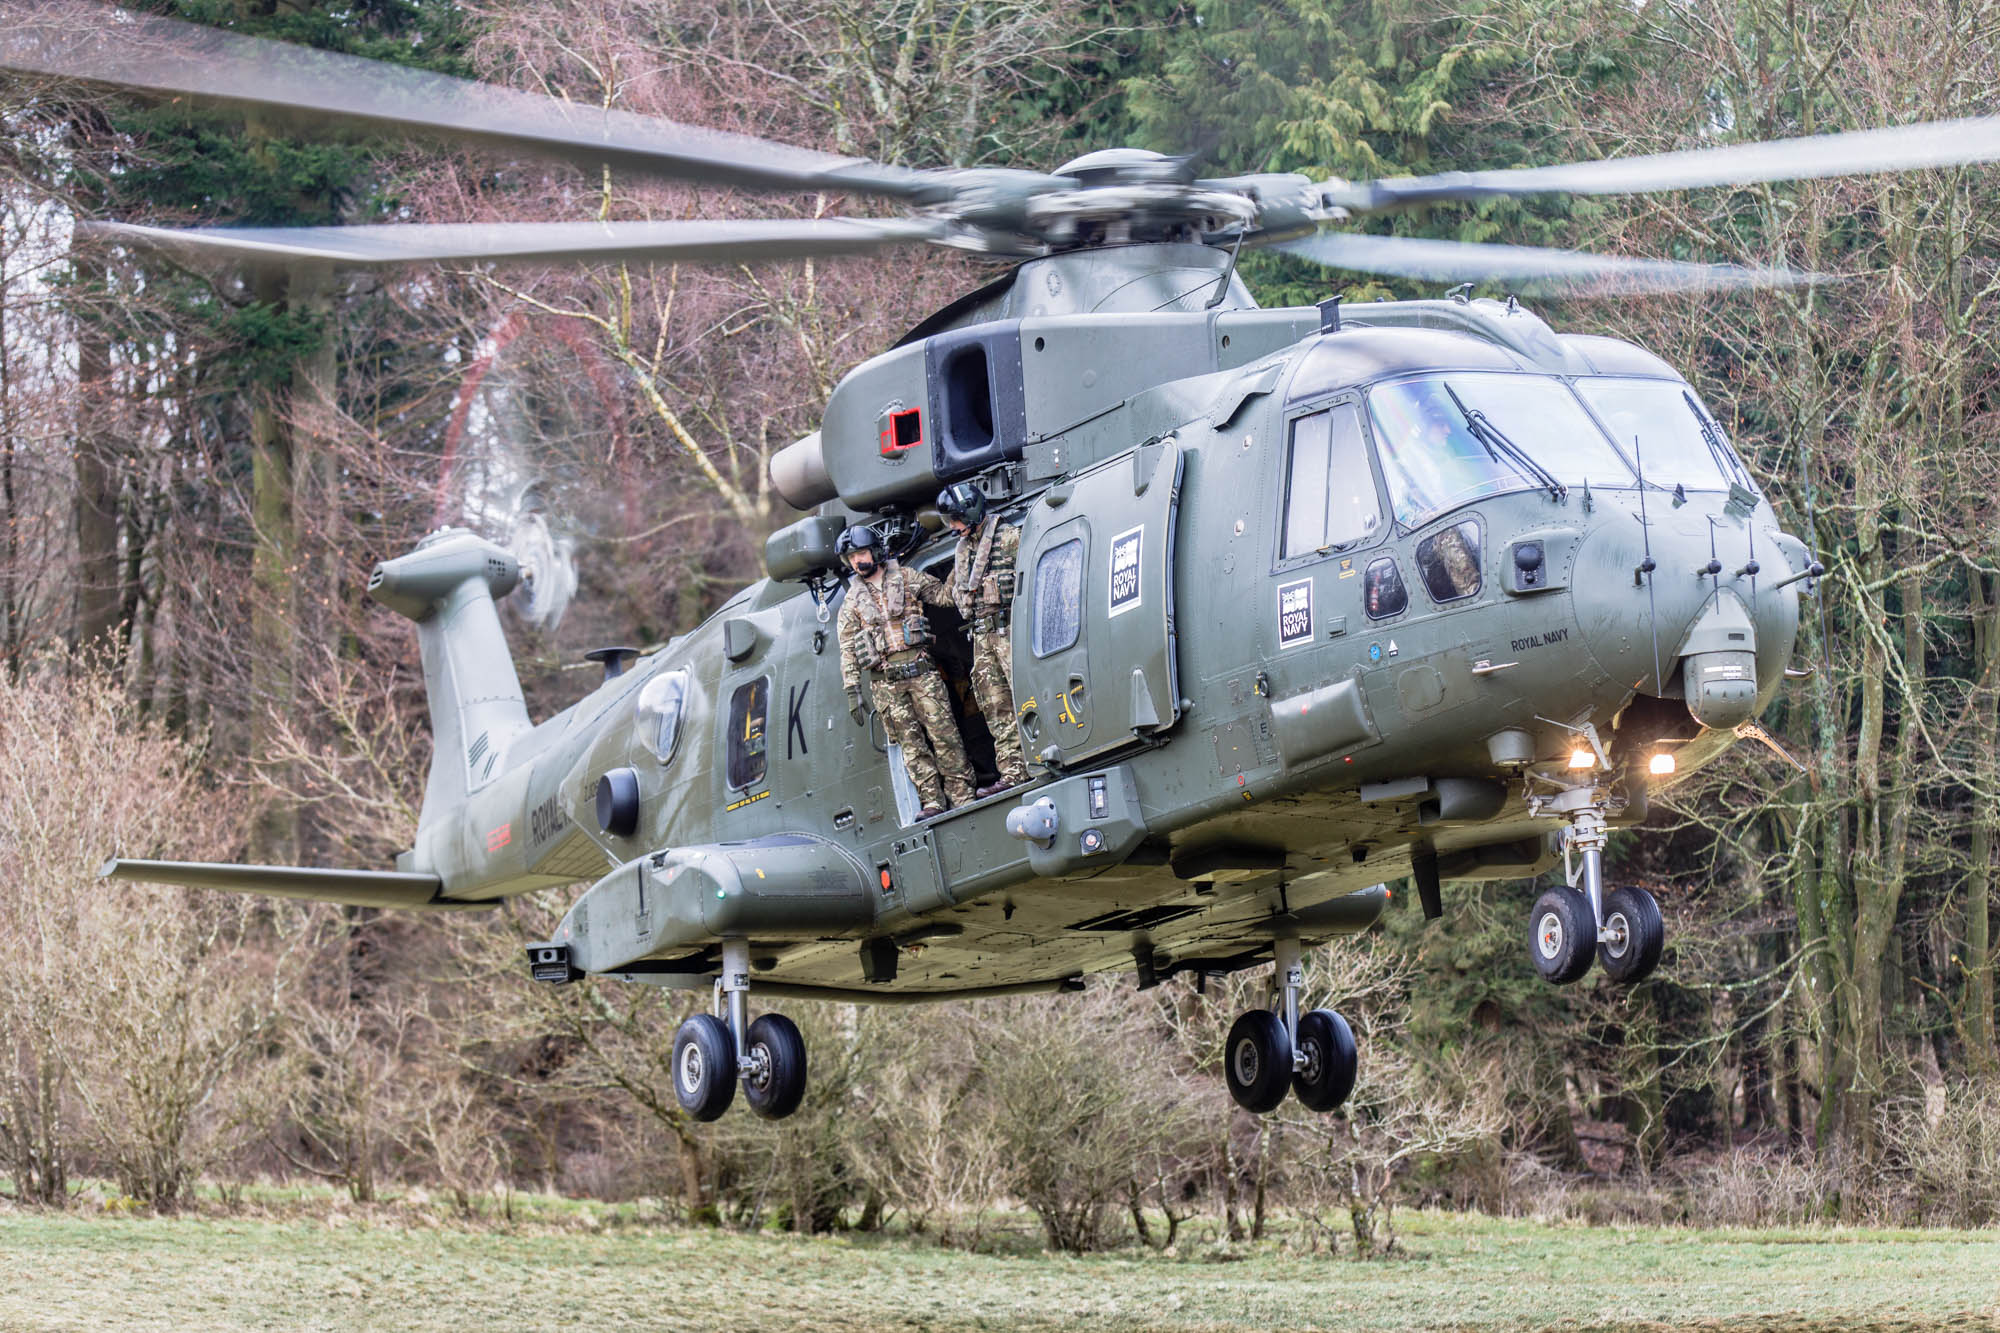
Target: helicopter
(1310, 599)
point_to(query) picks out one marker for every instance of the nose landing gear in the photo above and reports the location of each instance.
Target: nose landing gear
(710, 1057)
(1311, 1054)
(1623, 928)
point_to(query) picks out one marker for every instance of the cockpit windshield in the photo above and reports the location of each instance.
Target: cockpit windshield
(1448, 439)
(1677, 443)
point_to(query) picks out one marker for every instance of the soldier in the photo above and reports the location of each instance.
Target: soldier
(982, 587)
(885, 636)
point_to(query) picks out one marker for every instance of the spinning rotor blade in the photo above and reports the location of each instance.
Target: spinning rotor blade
(171, 59)
(1944, 143)
(1456, 261)
(527, 242)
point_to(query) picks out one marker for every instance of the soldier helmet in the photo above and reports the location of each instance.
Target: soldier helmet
(860, 537)
(962, 501)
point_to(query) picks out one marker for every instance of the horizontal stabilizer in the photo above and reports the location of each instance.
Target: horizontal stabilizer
(355, 888)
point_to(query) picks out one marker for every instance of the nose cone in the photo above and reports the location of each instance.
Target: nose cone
(1719, 640)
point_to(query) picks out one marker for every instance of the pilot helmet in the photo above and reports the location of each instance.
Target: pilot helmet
(962, 501)
(860, 537)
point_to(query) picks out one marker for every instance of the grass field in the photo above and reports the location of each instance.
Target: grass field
(93, 1270)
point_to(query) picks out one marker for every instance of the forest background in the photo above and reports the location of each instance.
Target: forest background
(196, 475)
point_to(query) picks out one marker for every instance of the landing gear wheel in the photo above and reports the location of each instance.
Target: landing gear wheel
(1638, 935)
(704, 1067)
(1562, 935)
(1257, 1061)
(1331, 1061)
(777, 1078)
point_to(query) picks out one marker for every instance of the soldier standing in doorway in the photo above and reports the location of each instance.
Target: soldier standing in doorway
(982, 587)
(885, 636)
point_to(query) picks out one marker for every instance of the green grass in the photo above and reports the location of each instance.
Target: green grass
(572, 1267)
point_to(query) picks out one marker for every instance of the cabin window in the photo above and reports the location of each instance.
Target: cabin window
(1330, 490)
(749, 708)
(1383, 590)
(1448, 562)
(1058, 597)
(660, 713)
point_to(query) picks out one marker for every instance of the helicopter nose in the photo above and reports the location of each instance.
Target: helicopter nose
(1674, 609)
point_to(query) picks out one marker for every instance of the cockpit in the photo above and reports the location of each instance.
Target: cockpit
(1447, 438)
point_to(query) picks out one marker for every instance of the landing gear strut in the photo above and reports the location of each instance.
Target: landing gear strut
(768, 1056)
(1311, 1054)
(1572, 922)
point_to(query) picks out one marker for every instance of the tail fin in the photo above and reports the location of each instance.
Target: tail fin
(447, 585)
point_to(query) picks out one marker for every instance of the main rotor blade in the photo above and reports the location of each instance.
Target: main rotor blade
(1457, 261)
(527, 242)
(166, 58)
(1944, 143)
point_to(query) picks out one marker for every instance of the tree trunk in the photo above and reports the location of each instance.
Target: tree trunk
(282, 445)
(1976, 1008)
(94, 508)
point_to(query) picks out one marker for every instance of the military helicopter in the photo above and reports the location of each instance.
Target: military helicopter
(1311, 599)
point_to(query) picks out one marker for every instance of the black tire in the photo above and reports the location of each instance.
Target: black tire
(777, 1054)
(704, 1068)
(1562, 935)
(1632, 912)
(1331, 1061)
(1257, 1061)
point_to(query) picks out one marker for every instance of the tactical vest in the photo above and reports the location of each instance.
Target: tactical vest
(889, 620)
(982, 584)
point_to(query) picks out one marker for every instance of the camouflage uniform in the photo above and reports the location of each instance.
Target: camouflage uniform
(982, 587)
(882, 630)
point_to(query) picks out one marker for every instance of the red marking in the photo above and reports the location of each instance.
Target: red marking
(500, 837)
(889, 430)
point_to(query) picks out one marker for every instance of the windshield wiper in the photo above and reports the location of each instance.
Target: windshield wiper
(1497, 444)
(1718, 448)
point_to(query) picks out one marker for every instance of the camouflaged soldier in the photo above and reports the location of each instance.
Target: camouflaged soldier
(885, 637)
(982, 587)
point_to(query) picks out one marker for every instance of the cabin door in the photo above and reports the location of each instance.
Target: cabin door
(1094, 651)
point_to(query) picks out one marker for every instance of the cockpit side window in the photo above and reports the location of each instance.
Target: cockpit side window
(1383, 591)
(1448, 560)
(749, 709)
(660, 704)
(1330, 497)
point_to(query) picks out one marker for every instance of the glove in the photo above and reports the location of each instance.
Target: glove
(857, 709)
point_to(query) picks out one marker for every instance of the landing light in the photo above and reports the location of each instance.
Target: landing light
(1661, 764)
(1582, 759)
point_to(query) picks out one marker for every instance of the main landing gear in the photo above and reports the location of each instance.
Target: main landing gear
(710, 1057)
(1622, 928)
(1311, 1054)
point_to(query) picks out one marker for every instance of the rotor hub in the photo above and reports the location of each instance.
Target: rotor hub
(1140, 211)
